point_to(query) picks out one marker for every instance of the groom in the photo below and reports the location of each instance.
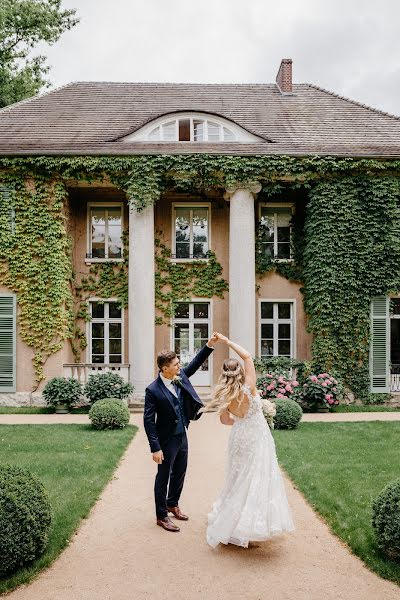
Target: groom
(170, 403)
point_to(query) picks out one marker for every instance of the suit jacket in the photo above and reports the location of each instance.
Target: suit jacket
(160, 417)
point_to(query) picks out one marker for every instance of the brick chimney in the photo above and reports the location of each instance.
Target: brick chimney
(284, 77)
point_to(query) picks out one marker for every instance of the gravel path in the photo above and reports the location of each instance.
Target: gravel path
(120, 554)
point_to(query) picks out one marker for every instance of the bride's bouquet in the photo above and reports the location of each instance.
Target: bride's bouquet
(269, 410)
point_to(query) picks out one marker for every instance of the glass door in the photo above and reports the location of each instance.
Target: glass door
(191, 327)
(395, 344)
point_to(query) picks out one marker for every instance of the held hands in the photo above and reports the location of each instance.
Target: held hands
(213, 340)
(158, 457)
(221, 338)
(217, 337)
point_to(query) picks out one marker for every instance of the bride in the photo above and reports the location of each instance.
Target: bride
(253, 504)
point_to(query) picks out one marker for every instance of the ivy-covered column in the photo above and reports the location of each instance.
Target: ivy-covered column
(141, 298)
(242, 268)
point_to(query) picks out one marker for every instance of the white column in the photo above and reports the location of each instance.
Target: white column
(141, 299)
(242, 267)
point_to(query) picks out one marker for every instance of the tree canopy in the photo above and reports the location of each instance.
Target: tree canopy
(23, 25)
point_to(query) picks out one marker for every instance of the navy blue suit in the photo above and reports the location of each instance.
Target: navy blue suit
(161, 418)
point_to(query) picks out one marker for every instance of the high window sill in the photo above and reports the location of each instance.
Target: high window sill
(189, 260)
(89, 261)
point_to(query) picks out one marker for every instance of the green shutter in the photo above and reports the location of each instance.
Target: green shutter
(380, 348)
(6, 206)
(7, 343)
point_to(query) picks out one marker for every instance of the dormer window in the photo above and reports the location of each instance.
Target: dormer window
(191, 127)
(191, 130)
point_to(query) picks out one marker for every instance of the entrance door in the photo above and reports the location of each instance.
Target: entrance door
(191, 330)
(395, 344)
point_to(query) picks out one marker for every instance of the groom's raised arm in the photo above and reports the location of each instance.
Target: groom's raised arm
(198, 360)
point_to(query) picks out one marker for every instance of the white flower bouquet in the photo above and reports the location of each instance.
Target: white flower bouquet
(269, 410)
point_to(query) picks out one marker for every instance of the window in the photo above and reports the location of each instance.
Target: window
(394, 314)
(191, 130)
(7, 210)
(7, 343)
(105, 232)
(191, 326)
(277, 328)
(105, 332)
(165, 133)
(191, 231)
(275, 230)
(191, 127)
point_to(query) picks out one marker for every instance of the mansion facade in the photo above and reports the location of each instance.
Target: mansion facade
(264, 312)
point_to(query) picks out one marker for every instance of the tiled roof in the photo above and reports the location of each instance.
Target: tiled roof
(92, 118)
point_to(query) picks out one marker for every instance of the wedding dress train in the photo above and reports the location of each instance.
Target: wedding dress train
(253, 505)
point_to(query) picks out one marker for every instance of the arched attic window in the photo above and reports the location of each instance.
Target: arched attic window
(191, 127)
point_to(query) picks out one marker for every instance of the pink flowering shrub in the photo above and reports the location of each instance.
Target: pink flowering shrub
(321, 391)
(275, 385)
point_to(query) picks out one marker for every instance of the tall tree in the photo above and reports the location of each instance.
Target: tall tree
(23, 25)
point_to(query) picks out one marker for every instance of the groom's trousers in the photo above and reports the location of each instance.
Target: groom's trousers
(171, 474)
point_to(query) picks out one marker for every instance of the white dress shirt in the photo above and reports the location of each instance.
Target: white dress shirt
(168, 384)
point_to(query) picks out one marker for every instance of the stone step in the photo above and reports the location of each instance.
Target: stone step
(136, 409)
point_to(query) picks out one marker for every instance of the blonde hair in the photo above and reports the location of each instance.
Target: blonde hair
(228, 387)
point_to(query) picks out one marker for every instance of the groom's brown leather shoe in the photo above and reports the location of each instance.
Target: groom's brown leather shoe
(178, 514)
(167, 524)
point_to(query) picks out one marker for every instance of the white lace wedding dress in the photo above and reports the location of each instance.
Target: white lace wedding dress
(253, 505)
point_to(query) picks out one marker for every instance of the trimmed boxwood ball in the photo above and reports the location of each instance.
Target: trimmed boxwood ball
(25, 518)
(386, 519)
(288, 414)
(110, 413)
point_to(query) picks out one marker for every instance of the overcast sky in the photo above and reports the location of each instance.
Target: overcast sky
(351, 47)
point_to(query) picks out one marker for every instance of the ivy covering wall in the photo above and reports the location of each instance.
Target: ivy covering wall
(346, 241)
(35, 264)
(351, 254)
(176, 282)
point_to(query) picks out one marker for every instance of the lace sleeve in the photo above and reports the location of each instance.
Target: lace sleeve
(246, 390)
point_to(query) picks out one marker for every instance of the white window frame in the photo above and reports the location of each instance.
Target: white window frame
(204, 120)
(275, 322)
(106, 340)
(291, 208)
(91, 205)
(240, 134)
(210, 321)
(189, 205)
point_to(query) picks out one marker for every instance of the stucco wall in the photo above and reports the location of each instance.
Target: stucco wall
(271, 286)
(220, 245)
(25, 380)
(79, 199)
(275, 287)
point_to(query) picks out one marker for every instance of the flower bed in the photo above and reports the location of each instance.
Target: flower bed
(320, 391)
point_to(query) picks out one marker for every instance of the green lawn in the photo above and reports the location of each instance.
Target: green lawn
(37, 410)
(74, 463)
(344, 408)
(340, 468)
(25, 410)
